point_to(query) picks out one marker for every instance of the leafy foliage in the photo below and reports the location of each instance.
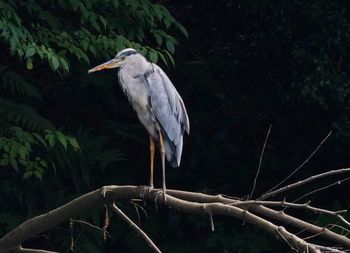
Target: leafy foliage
(56, 136)
(36, 34)
(39, 32)
(18, 149)
(14, 83)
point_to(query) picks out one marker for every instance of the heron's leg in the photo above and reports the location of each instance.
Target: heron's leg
(162, 154)
(151, 149)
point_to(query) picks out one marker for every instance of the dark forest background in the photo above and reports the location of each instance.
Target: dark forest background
(239, 66)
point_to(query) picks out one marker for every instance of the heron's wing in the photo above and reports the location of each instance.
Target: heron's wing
(166, 104)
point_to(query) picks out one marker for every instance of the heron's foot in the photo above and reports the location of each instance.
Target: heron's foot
(146, 191)
(150, 189)
(103, 192)
(159, 193)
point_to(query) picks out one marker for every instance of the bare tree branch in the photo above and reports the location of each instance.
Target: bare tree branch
(302, 182)
(25, 250)
(89, 225)
(266, 212)
(260, 161)
(322, 188)
(189, 202)
(46, 221)
(306, 206)
(302, 164)
(122, 215)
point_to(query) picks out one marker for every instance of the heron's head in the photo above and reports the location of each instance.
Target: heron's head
(121, 58)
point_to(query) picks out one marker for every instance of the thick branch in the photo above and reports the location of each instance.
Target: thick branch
(46, 221)
(180, 200)
(266, 212)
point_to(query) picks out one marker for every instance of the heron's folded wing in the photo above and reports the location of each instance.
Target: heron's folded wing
(167, 104)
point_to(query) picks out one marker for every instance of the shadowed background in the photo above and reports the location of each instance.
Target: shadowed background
(239, 67)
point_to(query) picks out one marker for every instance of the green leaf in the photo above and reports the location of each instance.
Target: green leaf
(22, 151)
(62, 140)
(73, 142)
(170, 46)
(38, 174)
(103, 21)
(40, 139)
(169, 56)
(13, 151)
(27, 175)
(55, 62)
(51, 139)
(163, 58)
(159, 39)
(13, 163)
(64, 64)
(167, 22)
(183, 30)
(29, 51)
(153, 56)
(29, 63)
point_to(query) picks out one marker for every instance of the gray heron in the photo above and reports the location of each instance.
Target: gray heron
(157, 103)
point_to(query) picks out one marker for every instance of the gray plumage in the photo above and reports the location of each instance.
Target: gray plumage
(157, 103)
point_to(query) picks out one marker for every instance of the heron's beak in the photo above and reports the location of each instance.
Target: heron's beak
(114, 63)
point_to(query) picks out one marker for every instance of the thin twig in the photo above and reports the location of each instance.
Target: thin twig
(322, 188)
(105, 223)
(330, 226)
(305, 229)
(71, 235)
(301, 165)
(260, 161)
(89, 225)
(300, 245)
(306, 206)
(326, 249)
(140, 207)
(137, 213)
(313, 236)
(212, 222)
(285, 239)
(135, 227)
(302, 182)
(26, 250)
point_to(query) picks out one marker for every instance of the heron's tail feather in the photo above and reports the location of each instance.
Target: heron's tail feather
(173, 152)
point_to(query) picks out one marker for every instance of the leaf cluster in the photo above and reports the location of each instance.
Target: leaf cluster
(59, 133)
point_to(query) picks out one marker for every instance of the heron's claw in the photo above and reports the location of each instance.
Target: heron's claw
(103, 192)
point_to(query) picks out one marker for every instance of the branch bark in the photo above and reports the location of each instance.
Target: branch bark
(190, 202)
(24, 250)
(303, 182)
(122, 215)
(268, 213)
